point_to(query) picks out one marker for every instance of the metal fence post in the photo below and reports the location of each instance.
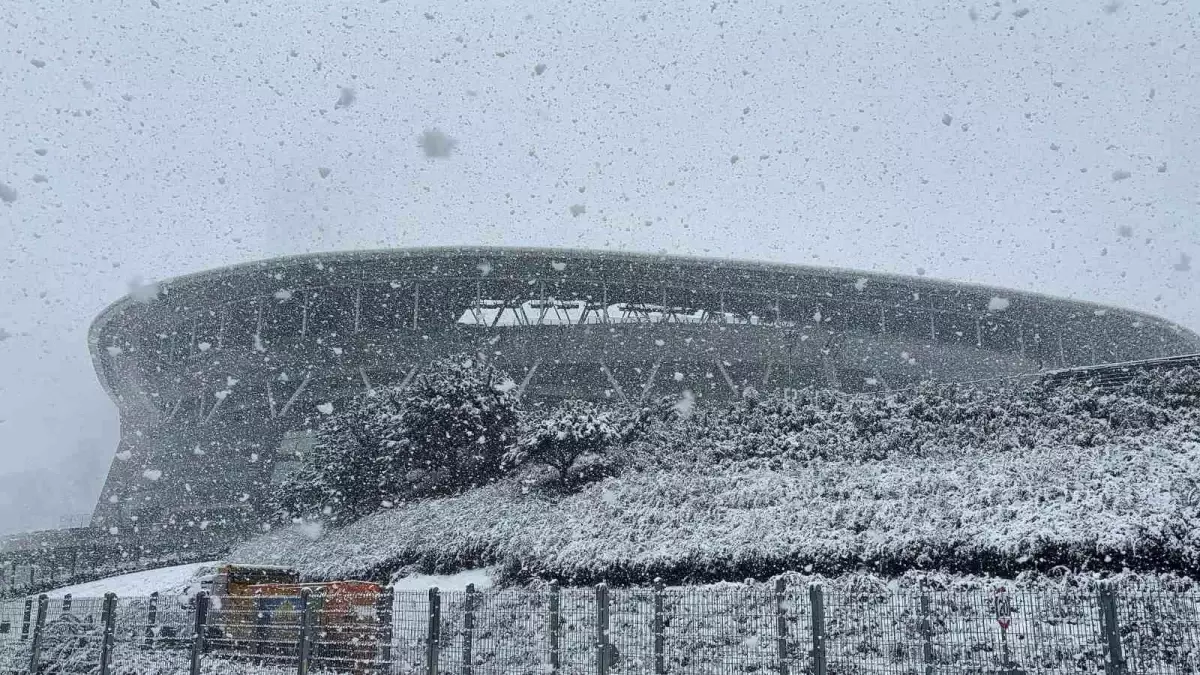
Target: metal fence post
(151, 619)
(468, 630)
(110, 620)
(383, 615)
(817, 597)
(660, 664)
(433, 635)
(198, 630)
(602, 629)
(781, 627)
(1115, 663)
(555, 627)
(35, 649)
(25, 619)
(303, 641)
(926, 635)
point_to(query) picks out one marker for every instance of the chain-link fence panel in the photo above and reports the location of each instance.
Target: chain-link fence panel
(721, 630)
(577, 630)
(1159, 631)
(259, 633)
(631, 630)
(726, 629)
(503, 632)
(410, 632)
(15, 619)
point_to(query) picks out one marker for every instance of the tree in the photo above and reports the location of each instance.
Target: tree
(447, 431)
(565, 436)
(350, 471)
(459, 416)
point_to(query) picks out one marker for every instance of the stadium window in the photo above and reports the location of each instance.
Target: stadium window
(206, 336)
(1000, 335)
(751, 308)
(956, 329)
(912, 324)
(386, 307)
(861, 317)
(443, 302)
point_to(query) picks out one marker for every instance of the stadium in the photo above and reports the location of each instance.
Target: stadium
(220, 376)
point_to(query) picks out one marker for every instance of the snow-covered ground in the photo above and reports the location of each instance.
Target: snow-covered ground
(182, 580)
(482, 578)
(177, 580)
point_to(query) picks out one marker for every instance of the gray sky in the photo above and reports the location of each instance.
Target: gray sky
(1045, 146)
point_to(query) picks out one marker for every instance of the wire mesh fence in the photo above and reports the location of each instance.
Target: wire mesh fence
(798, 630)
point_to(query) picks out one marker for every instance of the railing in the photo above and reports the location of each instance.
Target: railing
(20, 577)
(610, 631)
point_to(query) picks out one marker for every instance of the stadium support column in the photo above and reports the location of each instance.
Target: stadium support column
(829, 370)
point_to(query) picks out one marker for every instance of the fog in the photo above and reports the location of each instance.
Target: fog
(1047, 147)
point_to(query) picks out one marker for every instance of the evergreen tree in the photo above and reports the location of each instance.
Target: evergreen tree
(447, 431)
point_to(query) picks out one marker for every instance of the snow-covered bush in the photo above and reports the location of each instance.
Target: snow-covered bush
(447, 431)
(930, 420)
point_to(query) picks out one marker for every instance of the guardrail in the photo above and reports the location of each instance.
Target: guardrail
(610, 631)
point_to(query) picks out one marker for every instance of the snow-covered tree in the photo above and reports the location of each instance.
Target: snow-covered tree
(447, 431)
(573, 438)
(458, 418)
(350, 471)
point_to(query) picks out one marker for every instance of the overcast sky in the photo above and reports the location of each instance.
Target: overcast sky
(1046, 146)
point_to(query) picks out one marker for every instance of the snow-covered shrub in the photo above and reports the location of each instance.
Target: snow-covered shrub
(933, 419)
(447, 431)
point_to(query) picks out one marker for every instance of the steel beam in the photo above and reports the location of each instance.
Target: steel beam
(613, 381)
(295, 395)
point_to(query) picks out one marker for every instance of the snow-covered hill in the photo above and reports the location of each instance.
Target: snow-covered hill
(949, 479)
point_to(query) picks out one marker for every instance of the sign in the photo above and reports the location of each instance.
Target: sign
(1002, 603)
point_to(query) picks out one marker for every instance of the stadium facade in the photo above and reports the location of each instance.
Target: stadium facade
(221, 376)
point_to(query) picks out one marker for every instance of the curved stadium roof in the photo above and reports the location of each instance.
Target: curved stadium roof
(488, 287)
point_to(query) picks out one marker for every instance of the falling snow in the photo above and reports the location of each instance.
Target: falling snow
(437, 144)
